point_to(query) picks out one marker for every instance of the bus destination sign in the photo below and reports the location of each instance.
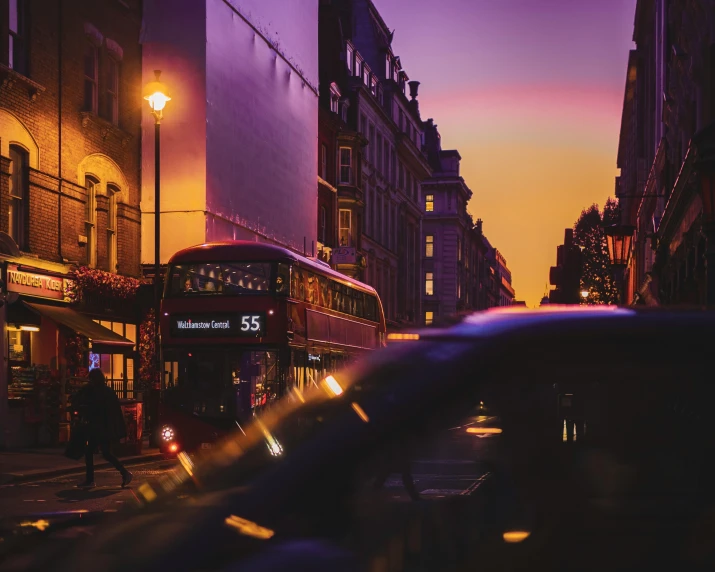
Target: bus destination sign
(225, 325)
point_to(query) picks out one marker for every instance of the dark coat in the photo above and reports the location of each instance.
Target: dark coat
(99, 408)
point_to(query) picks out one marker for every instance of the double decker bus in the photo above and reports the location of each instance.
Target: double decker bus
(242, 323)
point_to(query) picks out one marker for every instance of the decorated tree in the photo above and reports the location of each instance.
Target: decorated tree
(596, 277)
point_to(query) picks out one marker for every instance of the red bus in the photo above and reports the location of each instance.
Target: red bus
(241, 323)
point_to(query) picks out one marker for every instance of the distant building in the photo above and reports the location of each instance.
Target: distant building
(506, 291)
(446, 233)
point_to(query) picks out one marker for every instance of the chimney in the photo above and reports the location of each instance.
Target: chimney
(479, 226)
(414, 85)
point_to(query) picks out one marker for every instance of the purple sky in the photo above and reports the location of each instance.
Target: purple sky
(530, 93)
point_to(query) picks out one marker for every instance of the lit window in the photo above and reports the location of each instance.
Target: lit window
(429, 203)
(112, 97)
(90, 77)
(19, 183)
(112, 193)
(17, 40)
(90, 220)
(345, 223)
(345, 165)
(373, 87)
(429, 318)
(358, 65)
(429, 246)
(429, 283)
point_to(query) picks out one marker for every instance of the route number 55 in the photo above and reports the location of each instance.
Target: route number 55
(250, 323)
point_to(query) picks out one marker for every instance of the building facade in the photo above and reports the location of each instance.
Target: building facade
(448, 253)
(380, 160)
(506, 290)
(238, 138)
(665, 152)
(70, 96)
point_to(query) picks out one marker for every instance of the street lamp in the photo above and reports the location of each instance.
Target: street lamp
(584, 294)
(156, 94)
(620, 244)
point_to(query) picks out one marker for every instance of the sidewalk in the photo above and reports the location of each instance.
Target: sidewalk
(36, 464)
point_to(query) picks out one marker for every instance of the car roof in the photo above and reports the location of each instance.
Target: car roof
(502, 321)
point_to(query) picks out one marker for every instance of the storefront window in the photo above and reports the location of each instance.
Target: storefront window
(117, 368)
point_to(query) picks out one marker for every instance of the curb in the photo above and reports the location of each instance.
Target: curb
(16, 478)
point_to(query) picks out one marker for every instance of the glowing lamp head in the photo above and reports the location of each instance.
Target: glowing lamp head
(173, 447)
(584, 294)
(156, 94)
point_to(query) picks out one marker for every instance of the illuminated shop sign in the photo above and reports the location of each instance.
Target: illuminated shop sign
(35, 284)
(235, 325)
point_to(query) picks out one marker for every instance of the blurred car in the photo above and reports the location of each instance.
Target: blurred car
(562, 439)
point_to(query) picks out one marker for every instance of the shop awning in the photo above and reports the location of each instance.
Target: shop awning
(103, 340)
(20, 314)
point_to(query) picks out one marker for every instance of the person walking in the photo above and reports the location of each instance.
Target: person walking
(101, 414)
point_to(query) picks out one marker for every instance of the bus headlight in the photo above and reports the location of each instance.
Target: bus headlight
(167, 433)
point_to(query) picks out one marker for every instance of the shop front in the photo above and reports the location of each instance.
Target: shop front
(50, 349)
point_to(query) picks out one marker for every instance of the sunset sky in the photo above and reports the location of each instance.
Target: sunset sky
(530, 93)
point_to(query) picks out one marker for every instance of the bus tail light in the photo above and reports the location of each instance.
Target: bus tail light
(173, 448)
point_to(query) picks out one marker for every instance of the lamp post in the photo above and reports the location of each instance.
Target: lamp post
(620, 245)
(155, 93)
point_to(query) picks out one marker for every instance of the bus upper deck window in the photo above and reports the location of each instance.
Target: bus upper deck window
(283, 279)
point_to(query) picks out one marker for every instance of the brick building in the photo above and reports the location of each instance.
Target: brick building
(70, 98)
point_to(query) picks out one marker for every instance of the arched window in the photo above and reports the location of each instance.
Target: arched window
(112, 194)
(19, 191)
(90, 218)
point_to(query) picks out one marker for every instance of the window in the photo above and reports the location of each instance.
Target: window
(386, 172)
(429, 318)
(19, 190)
(429, 283)
(345, 221)
(111, 102)
(90, 220)
(226, 278)
(346, 165)
(363, 124)
(429, 246)
(366, 75)
(334, 98)
(17, 58)
(350, 59)
(429, 203)
(324, 162)
(388, 67)
(401, 178)
(322, 224)
(358, 65)
(112, 194)
(459, 249)
(90, 77)
(373, 86)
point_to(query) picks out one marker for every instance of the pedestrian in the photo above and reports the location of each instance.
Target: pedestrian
(102, 417)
